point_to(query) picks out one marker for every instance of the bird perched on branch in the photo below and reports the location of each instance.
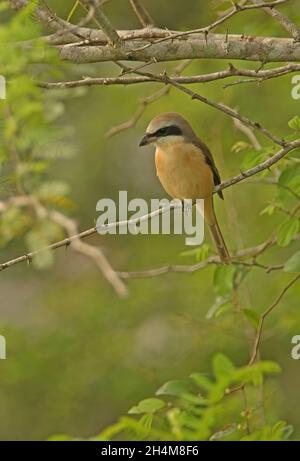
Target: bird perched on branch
(186, 168)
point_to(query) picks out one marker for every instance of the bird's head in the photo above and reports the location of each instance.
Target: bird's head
(167, 128)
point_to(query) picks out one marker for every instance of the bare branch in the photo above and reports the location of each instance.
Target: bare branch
(227, 73)
(248, 132)
(74, 240)
(144, 102)
(218, 46)
(31, 201)
(237, 8)
(260, 167)
(91, 252)
(287, 24)
(265, 314)
(219, 106)
(241, 177)
(142, 14)
(104, 22)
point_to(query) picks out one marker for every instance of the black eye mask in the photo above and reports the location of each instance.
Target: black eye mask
(171, 130)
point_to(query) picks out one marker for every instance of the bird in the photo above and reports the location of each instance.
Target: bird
(186, 168)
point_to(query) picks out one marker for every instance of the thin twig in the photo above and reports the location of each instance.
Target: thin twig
(265, 314)
(73, 240)
(142, 14)
(286, 22)
(237, 8)
(104, 22)
(146, 101)
(219, 106)
(213, 76)
(246, 130)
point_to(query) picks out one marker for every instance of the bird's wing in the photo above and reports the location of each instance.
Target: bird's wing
(210, 161)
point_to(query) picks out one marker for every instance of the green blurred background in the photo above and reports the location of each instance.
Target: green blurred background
(77, 356)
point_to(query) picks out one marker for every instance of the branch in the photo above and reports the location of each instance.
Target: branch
(287, 24)
(24, 201)
(74, 240)
(247, 131)
(237, 8)
(217, 46)
(260, 167)
(241, 177)
(230, 72)
(91, 252)
(238, 258)
(146, 101)
(221, 107)
(142, 14)
(104, 22)
(265, 314)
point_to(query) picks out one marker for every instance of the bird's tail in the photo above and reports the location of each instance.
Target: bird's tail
(211, 219)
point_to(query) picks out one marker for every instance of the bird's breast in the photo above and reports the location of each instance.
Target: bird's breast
(183, 171)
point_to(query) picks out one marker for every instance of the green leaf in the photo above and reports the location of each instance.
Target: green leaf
(145, 424)
(294, 183)
(253, 157)
(269, 210)
(175, 388)
(280, 431)
(151, 405)
(293, 264)
(252, 316)
(286, 175)
(222, 366)
(254, 373)
(223, 279)
(202, 381)
(200, 253)
(218, 303)
(294, 123)
(225, 433)
(287, 231)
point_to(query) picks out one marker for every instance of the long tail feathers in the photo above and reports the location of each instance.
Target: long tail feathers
(215, 231)
(220, 243)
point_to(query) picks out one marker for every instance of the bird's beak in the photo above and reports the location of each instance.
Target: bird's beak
(147, 139)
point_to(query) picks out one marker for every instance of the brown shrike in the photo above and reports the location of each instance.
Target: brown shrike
(186, 168)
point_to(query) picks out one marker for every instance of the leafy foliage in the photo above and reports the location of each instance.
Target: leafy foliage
(81, 367)
(195, 408)
(28, 130)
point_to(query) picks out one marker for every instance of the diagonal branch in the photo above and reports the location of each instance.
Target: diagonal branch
(286, 22)
(67, 241)
(265, 314)
(70, 227)
(146, 101)
(91, 252)
(104, 23)
(142, 14)
(219, 106)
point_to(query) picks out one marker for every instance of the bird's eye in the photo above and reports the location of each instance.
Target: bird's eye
(162, 131)
(171, 130)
